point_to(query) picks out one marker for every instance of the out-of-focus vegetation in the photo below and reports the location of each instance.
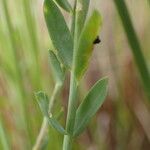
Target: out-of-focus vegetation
(123, 122)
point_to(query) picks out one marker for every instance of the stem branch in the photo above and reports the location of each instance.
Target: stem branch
(43, 130)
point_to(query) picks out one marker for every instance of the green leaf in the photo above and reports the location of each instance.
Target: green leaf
(64, 4)
(57, 70)
(82, 10)
(55, 124)
(42, 100)
(59, 32)
(90, 105)
(85, 46)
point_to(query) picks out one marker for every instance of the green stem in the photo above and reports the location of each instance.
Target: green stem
(72, 103)
(134, 44)
(44, 127)
(71, 106)
(67, 145)
(71, 113)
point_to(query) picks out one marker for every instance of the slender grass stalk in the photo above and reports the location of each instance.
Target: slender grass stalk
(33, 40)
(3, 138)
(134, 44)
(44, 127)
(20, 85)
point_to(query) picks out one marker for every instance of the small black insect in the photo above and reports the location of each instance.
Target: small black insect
(97, 40)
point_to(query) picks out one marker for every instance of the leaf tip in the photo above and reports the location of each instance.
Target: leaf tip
(45, 8)
(98, 16)
(106, 79)
(39, 94)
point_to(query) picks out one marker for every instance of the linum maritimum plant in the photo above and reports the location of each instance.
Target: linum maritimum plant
(72, 49)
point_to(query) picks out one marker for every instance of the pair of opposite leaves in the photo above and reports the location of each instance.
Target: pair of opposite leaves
(62, 38)
(86, 110)
(63, 42)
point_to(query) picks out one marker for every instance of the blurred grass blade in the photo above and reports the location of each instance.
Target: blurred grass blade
(43, 102)
(64, 4)
(134, 43)
(57, 70)
(90, 105)
(59, 32)
(18, 73)
(85, 47)
(82, 11)
(33, 41)
(3, 138)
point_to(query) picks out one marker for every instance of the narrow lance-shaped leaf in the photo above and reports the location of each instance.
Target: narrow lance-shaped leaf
(57, 70)
(59, 32)
(85, 47)
(42, 100)
(55, 124)
(90, 105)
(64, 4)
(81, 12)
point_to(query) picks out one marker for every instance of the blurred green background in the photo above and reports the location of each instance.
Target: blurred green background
(123, 122)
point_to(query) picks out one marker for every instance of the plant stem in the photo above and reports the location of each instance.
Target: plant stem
(67, 145)
(42, 133)
(72, 103)
(134, 44)
(44, 127)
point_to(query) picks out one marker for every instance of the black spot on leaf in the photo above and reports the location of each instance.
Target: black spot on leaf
(97, 40)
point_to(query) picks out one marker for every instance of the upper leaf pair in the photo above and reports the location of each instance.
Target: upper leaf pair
(63, 40)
